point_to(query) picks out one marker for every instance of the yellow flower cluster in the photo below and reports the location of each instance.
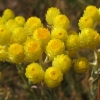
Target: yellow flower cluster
(29, 41)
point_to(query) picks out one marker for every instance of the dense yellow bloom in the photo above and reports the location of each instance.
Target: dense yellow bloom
(42, 35)
(72, 43)
(5, 35)
(33, 50)
(89, 38)
(19, 35)
(8, 14)
(53, 77)
(55, 47)
(63, 62)
(61, 21)
(34, 73)
(81, 65)
(15, 53)
(3, 53)
(51, 14)
(32, 24)
(20, 20)
(85, 22)
(92, 12)
(59, 33)
(11, 24)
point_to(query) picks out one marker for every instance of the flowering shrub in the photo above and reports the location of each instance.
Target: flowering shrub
(48, 53)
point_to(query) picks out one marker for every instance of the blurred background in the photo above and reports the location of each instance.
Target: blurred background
(76, 86)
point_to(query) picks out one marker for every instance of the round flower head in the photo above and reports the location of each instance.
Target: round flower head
(32, 23)
(34, 73)
(15, 53)
(51, 14)
(11, 24)
(32, 50)
(59, 33)
(63, 62)
(72, 42)
(55, 47)
(8, 14)
(81, 65)
(19, 35)
(3, 53)
(42, 35)
(20, 20)
(85, 22)
(89, 38)
(92, 12)
(53, 77)
(5, 35)
(61, 21)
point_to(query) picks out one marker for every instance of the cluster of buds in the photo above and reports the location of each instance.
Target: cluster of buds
(49, 51)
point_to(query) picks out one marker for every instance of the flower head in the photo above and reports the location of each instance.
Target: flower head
(51, 14)
(81, 65)
(42, 35)
(85, 22)
(33, 50)
(89, 38)
(53, 77)
(19, 35)
(63, 62)
(61, 21)
(34, 73)
(8, 14)
(5, 35)
(55, 47)
(20, 20)
(92, 12)
(16, 53)
(32, 24)
(59, 33)
(72, 42)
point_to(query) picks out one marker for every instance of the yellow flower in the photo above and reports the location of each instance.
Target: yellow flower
(61, 21)
(34, 73)
(86, 22)
(15, 53)
(32, 24)
(89, 38)
(51, 14)
(72, 42)
(3, 53)
(63, 62)
(20, 20)
(5, 35)
(19, 35)
(53, 77)
(55, 47)
(81, 65)
(59, 33)
(8, 14)
(92, 12)
(42, 35)
(11, 24)
(33, 50)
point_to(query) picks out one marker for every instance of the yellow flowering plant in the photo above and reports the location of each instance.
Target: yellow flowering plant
(45, 55)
